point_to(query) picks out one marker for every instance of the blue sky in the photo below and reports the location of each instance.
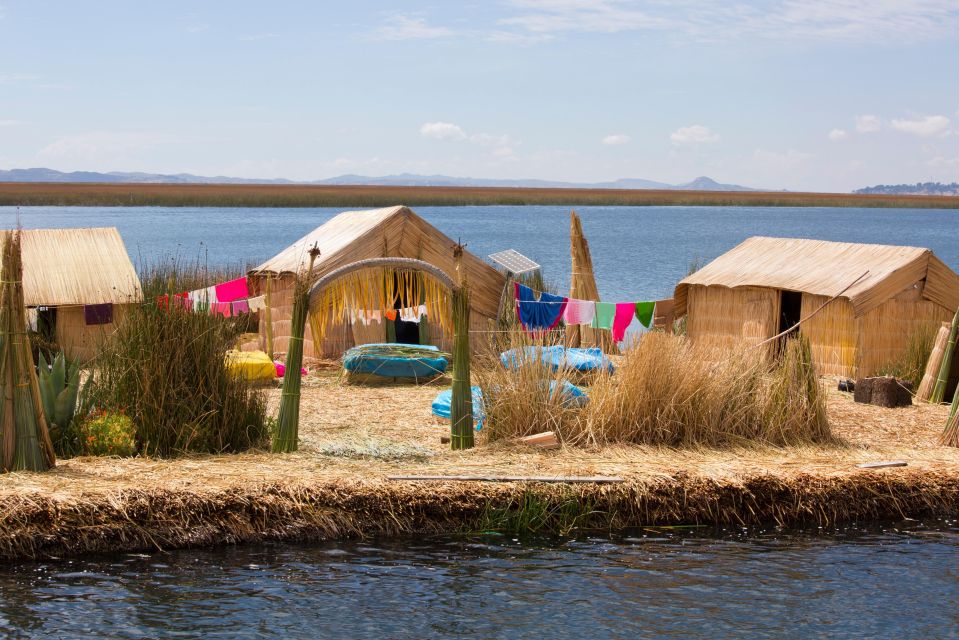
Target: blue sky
(823, 95)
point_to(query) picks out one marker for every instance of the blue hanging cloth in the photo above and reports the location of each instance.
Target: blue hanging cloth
(538, 315)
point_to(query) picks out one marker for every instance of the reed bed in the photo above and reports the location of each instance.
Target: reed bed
(165, 368)
(256, 195)
(668, 391)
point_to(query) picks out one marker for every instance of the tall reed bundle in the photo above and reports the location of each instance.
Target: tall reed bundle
(582, 286)
(933, 364)
(939, 390)
(461, 409)
(24, 437)
(950, 435)
(286, 434)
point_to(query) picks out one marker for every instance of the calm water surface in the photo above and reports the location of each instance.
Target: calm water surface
(896, 581)
(638, 252)
(886, 582)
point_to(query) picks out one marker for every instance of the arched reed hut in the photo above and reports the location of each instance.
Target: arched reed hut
(77, 283)
(395, 232)
(766, 285)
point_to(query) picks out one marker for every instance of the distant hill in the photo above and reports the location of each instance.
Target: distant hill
(404, 179)
(918, 189)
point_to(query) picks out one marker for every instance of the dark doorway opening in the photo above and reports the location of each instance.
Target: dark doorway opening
(405, 332)
(790, 311)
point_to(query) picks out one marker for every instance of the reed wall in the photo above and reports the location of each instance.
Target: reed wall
(79, 340)
(832, 335)
(884, 333)
(723, 318)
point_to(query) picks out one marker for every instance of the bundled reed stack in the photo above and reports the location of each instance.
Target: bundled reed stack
(583, 287)
(928, 382)
(461, 407)
(939, 390)
(288, 421)
(25, 443)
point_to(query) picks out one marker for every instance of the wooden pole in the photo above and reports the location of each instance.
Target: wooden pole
(461, 406)
(269, 316)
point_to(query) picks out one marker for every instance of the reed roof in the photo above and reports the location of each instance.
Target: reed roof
(826, 268)
(395, 232)
(77, 266)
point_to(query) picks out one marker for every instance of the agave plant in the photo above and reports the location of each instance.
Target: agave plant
(59, 386)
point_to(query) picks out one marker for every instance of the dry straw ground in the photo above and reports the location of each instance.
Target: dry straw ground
(352, 437)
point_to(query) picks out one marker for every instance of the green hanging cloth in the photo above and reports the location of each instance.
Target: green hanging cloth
(605, 312)
(645, 312)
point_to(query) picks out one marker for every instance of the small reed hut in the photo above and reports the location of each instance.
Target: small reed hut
(76, 284)
(766, 285)
(394, 232)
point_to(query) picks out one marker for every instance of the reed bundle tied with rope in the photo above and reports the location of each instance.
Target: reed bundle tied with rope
(25, 443)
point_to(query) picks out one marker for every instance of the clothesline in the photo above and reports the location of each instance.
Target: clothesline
(545, 311)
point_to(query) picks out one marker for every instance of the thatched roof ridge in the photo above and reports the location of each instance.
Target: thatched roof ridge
(395, 232)
(826, 268)
(336, 235)
(77, 267)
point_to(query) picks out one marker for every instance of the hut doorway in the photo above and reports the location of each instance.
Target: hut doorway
(404, 332)
(790, 312)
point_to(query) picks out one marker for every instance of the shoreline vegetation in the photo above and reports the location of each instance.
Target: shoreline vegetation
(353, 438)
(265, 195)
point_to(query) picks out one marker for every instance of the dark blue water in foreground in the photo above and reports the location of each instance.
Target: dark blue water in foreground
(896, 581)
(638, 252)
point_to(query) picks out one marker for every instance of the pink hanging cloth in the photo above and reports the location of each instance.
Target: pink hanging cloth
(232, 290)
(579, 311)
(625, 311)
(221, 308)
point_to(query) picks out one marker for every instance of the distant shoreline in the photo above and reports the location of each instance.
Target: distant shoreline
(259, 195)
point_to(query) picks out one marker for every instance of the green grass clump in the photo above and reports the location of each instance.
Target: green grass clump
(911, 364)
(166, 370)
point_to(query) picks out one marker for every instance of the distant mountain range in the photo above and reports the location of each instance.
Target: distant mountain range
(404, 179)
(918, 189)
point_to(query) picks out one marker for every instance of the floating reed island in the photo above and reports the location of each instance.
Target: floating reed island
(168, 446)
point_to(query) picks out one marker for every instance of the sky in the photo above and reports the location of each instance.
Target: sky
(823, 95)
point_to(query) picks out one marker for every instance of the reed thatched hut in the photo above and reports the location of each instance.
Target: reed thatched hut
(76, 284)
(395, 232)
(766, 285)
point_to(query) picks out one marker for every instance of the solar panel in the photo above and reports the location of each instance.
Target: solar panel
(514, 262)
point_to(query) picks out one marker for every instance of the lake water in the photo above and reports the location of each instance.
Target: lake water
(894, 581)
(638, 252)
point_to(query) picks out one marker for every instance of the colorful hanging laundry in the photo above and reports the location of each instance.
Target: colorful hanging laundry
(232, 290)
(182, 301)
(200, 305)
(579, 311)
(240, 306)
(257, 303)
(625, 312)
(221, 308)
(391, 315)
(99, 313)
(413, 314)
(366, 316)
(538, 315)
(605, 314)
(645, 312)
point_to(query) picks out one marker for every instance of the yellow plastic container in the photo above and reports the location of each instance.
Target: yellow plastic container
(252, 365)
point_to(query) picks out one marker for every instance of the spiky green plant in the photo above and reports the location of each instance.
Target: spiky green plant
(59, 388)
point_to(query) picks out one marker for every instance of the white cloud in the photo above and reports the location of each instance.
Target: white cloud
(9, 123)
(404, 27)
(841, 20)
(694, 134)
(442, 131)
(105, 146)
(196, 28)
(519, 38)
(838, 134)
(868, 123)
(12, 78)
(926, 127)
(258, 36)
(616, 139)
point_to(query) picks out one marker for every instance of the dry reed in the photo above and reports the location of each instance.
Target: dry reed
(669, 391)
